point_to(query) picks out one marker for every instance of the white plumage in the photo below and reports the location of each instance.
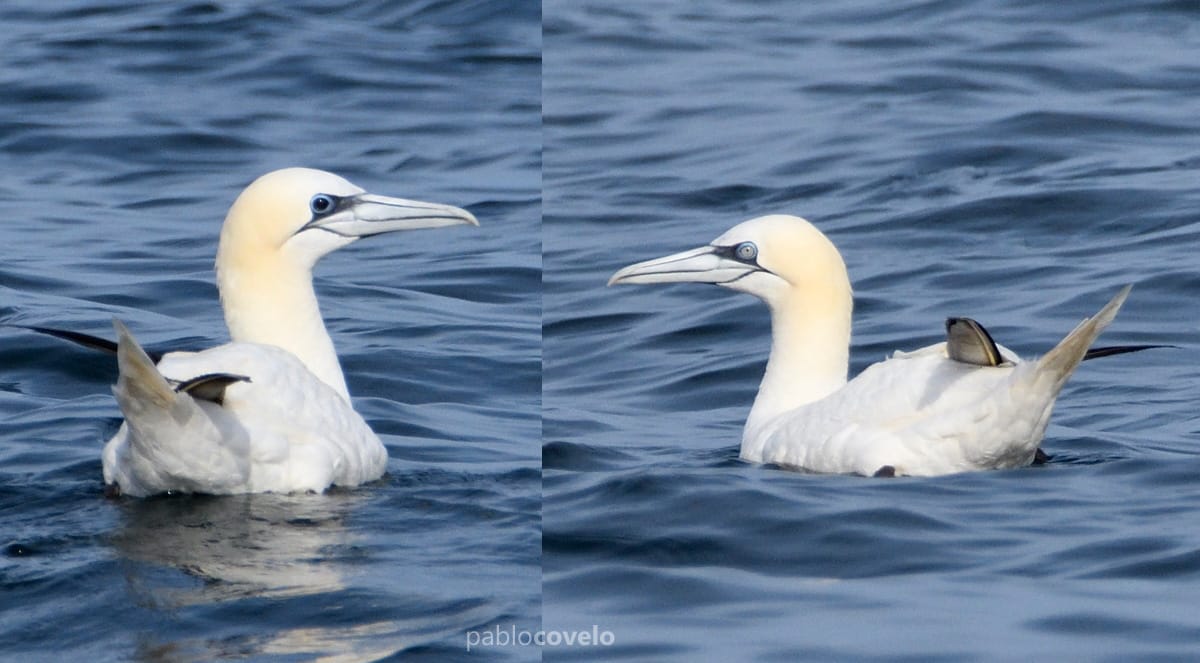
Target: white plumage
(916, 413)
(284, 430)
(280, 418)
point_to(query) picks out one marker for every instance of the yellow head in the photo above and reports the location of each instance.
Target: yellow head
(300, 214)
(774, 258)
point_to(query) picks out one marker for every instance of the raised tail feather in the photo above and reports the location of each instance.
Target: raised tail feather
(170, 444)
(155, 415)
(139, 378)
(1060, 362)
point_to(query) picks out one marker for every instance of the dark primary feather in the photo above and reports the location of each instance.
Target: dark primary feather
(968, 342)
(210, 387)
(1110, 350)
(86, 340)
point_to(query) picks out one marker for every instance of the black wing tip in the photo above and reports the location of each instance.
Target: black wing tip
(210, 386)
(78, 338)
(82, 339)
(1113, 350)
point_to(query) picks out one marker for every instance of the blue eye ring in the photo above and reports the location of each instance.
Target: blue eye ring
(322, 203)
(746, 251)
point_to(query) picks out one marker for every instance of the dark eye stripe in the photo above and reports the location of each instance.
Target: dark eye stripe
(745, 252)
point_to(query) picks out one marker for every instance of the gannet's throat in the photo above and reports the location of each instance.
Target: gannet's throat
(270, 300)
(810, 352)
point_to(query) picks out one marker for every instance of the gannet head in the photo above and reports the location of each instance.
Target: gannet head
(771, 257)
(789, 264)
(301, 214)
(276, 231)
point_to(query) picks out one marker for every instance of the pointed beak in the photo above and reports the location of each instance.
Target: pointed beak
(702, 265)
(367, 214)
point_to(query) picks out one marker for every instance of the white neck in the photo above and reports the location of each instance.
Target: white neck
(810, 354)
(272, 301)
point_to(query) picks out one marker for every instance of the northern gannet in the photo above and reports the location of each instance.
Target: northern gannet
(964, 404)
(269, 411)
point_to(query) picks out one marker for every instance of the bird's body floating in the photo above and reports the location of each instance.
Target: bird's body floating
(965, 404)
(269, 411)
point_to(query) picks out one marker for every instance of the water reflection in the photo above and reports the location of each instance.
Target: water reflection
(287, 568)
(266, 546)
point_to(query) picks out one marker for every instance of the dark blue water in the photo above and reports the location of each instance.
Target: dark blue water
(126, 130)
(1012, 161)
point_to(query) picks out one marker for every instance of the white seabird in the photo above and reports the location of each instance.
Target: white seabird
(964, 404)
(269, 411)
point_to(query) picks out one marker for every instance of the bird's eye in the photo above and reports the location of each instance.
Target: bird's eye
(321, 204)
(746, 251)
